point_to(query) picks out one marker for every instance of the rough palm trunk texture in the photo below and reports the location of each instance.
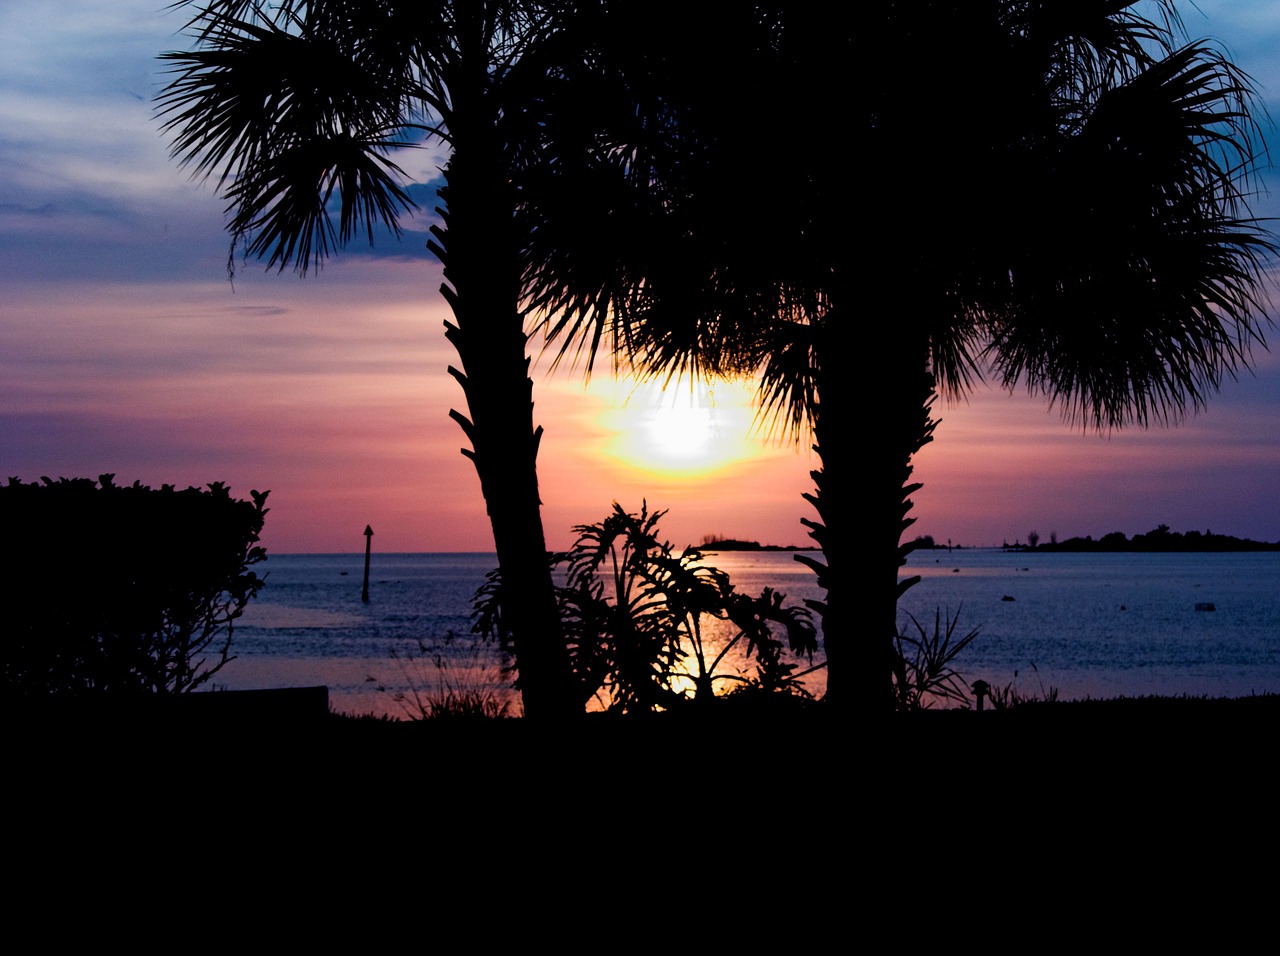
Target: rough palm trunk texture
(866, 430)
(481, 262)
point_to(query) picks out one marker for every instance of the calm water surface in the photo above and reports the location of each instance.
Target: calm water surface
(1105, 625)
(1098, 625)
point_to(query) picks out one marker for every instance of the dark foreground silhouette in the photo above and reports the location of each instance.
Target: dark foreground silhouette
(738, 736)
(281, 790)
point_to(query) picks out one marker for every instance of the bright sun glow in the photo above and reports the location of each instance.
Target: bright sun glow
(681, 429)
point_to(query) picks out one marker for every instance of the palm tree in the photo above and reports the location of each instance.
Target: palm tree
(295, 108)
(1054, 192)
(1096, 245)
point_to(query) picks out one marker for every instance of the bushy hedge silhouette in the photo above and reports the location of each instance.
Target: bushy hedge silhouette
(121, 589)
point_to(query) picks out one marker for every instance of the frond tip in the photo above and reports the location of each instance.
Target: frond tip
(1147, 282)
(282, 205)
(296, 123)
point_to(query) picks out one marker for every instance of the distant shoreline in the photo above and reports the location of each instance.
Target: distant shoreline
(1114, 543)
(1157, 541)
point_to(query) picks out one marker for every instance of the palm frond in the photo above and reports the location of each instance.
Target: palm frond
(1146, 285)
(282, 203)
(285, 113)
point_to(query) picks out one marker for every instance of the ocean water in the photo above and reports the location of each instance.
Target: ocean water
(1106, 625)
(1085, 625)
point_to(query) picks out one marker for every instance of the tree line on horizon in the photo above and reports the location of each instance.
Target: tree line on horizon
(635, 180)
(1159, 538)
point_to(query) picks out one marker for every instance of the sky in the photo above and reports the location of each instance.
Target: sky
(124, 348)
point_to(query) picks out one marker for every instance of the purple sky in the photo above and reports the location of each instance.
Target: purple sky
(123, 348)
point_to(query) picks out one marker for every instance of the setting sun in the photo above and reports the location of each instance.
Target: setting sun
(680, 428)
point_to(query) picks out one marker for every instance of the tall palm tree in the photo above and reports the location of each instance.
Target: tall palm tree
(295, 108)
(1053, 192)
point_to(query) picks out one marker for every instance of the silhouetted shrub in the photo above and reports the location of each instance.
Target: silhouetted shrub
(122, 589)
(471, 688)
(633, 610)
(922, 671)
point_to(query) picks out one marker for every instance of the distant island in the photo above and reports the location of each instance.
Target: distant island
(713, 542)
(1159, 539)
(925, 542)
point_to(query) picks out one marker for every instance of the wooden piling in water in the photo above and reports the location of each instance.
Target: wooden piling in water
(368, 549)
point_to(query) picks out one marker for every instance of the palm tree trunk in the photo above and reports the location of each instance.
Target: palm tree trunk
(481, 269)
(866, 431)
